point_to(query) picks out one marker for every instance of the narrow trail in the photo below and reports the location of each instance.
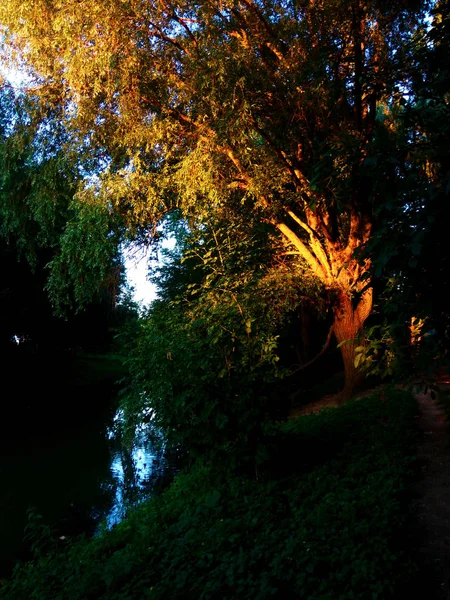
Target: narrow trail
(432, 505)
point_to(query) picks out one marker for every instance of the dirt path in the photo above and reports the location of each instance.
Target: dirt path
(432, 490)
(432, 506)
(329, 402)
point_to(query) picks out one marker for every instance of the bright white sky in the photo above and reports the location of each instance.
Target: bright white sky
(136, 267)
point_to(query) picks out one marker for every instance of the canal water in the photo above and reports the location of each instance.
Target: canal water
(62, 464)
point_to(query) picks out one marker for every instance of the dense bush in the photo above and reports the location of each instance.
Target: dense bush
(329, 526)
(204, 360)
(205, 388)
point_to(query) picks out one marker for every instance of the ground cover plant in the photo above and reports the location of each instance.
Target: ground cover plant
(328, 522)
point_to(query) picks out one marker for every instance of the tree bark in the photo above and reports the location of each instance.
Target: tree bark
(334, 264)
(348, 323)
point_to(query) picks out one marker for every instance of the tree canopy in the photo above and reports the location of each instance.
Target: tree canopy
(287, 108)
(298, 152)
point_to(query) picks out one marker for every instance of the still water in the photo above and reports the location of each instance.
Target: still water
(63, 460)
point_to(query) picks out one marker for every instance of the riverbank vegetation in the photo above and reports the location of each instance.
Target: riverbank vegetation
(297, 155)
(327, 518)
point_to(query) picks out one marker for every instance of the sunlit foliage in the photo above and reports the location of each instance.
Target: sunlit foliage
(189, 105)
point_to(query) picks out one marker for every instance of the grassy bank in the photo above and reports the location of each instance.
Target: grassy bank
(325, 520)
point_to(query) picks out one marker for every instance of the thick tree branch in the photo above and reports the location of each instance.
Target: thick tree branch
(300, 180)
(364, 306)
(314, 243)
(327, 227)
(360, 229)
(304, 252)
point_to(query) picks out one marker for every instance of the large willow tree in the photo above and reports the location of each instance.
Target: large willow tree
(284, 104)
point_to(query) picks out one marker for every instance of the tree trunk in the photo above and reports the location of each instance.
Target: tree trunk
(348, 323)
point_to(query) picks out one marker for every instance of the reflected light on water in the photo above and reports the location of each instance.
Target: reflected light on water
(142, 463)
(133, 469)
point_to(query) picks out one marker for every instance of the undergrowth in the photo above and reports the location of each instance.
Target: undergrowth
(325, 520)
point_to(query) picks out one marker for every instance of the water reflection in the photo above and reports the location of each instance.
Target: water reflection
(132, 471)
(71, 467)
(135, 468)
